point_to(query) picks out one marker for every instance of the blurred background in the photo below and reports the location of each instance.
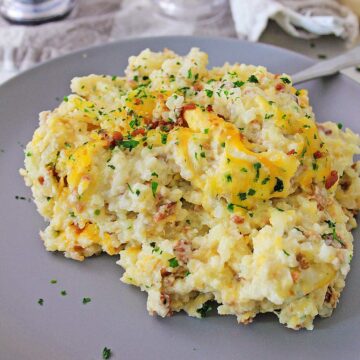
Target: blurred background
(33, 31)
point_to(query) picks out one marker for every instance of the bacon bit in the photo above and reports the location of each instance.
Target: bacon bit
(209, 108)
(280, 87)
(324, 129)
(291, 152)
(65, 181)
(318, 154)
(78, 248)
(164, 211)
(182, 250)
(137, 101)
(90, 127)
(77, 229)
(190, 106)
(54, 173)
(117, 136)
(221, 116)
(79, 207)
(295, 274)
(331, 297)
(331, 179)
(198, 86)
(164, 272)
(238, 219)
(303, 262)
(165, 299)
(138, 131)
(41, 180)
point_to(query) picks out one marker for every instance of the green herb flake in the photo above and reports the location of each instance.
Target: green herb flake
(268, 116)
(86, 300)
(187, 273)
(137, 192)
(253, 79)
(279, 186)
(285, 252)
(129, 187)
(228, 178)
(206, 131)
(111, 167)
(129, 144)
(242, 196)
(154, 186)
(53, 281)
(189, 74)
(63, 292)
(223, 145)
(285, 80)
(206, 307)
(202, 154)
(251, 192)
(244, 170)
(340, 125)
(164, 138)
(41, 302)
(257, 167)
(230, 207)
(209, 93)
(106, 353)
(265, 180)
(322, 56)
(173, 262)
(66, 99)
(97, 212)
(281, 210)
(238, 83)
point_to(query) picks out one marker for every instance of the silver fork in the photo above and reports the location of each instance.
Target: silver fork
(328, 67)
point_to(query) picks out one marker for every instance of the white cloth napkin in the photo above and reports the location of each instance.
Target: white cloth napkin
(301, 18)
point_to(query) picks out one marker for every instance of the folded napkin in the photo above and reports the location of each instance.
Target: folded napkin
(301, 18)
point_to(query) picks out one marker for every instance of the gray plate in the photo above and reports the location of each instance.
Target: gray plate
(64, 328)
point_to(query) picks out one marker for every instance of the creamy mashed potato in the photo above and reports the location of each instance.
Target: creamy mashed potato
(210, 184)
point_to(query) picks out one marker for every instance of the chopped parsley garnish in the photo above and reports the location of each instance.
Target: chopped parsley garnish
(228, 178)
(137, 192)
(189, 74)
(63, 292)
(187, 273)
(268, 116)
(298, 92)
(340, 126)
(244, 170)
(285, 80)
(206, 131)
(238, 83)
(28, 154)
(202, 154)
(172, 78)
(41, 302)
(281, 210)
(315, 166)
(66, 99)
(265, 181)
(164, 138)
(128, 144)
(86, 300)
(322, 56)
(111, 167)
(154, 174)
(251, 192)
(257, 167)
(173, 262)
(97, 212)
(72, 214)
(114, 78)
(285, 252)
(223, 145)
(154, 186)
(131, 190)
(106, 353)
(206, 307)
(230, 207)
(53, 281)
(279, 186)
(253, 79)
(242, 196)
(209, 93)
(334, 235)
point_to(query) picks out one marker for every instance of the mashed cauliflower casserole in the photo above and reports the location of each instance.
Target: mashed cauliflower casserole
(211, 185)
